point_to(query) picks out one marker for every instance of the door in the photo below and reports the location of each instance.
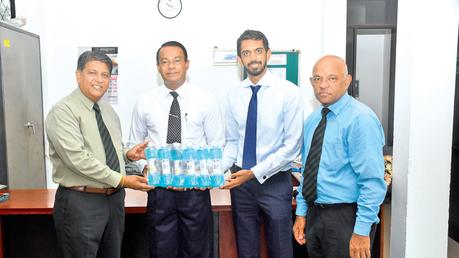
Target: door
(371, 60)
(22, 109)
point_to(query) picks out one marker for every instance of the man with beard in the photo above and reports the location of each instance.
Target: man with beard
(263, 136)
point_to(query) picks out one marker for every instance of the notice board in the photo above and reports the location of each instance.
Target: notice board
(283, 64)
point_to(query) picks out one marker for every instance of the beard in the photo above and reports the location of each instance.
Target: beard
(256, 71)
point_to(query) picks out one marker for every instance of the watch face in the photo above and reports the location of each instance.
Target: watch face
(169, 8)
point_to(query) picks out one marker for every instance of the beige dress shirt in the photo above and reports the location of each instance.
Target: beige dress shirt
(75, 146)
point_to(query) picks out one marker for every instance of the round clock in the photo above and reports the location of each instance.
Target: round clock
(169, 8)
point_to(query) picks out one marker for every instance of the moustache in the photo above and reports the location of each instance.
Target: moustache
(254, 62)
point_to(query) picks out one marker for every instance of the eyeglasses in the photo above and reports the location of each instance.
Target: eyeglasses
(317, 80)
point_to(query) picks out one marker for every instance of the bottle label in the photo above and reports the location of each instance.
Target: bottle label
(210, 166)
(177, 167)
(203, 167)
(166, 167)
(189, 167)
(151, 166)
(217, 167)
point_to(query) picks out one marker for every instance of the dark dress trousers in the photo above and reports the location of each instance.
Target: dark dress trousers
(270, 203)
(89, 224)
(180, 224)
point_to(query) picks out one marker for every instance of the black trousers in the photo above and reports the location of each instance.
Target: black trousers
(180, 224)
(270, 202)
(329, 229)
(89, 224)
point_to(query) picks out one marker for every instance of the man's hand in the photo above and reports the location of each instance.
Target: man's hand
(136, 182)
(137, 152)
(298, 230)
(359, 246)
(238, 179)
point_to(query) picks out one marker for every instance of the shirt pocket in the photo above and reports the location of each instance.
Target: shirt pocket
(194, 128)
(334, 155)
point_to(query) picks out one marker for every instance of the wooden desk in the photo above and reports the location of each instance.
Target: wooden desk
(41, 201)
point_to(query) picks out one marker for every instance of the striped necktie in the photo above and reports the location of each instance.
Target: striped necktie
(174, 126)
(313, 160)
(110, 152)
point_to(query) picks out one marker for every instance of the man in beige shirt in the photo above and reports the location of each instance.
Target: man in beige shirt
(85, 147)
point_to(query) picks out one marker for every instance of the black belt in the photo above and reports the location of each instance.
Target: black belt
(330, 205)
(235, 168)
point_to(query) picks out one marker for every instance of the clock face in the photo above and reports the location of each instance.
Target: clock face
(169, 8)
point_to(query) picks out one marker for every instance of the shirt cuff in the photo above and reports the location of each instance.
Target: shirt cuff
(301, 207)
(140, 164)
(227, 164)
(362, 228)
(114, 179)
(261, 177)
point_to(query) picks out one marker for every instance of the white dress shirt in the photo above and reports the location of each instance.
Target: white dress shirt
(201, 120)
(279, 125)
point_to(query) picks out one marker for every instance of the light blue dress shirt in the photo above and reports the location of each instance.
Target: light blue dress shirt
(351, 168)
(279, 125)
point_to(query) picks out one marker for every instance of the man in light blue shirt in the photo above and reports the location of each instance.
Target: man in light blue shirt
(263, 136)
(349, 187)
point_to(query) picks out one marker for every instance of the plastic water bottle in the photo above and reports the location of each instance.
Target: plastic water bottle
(153, 172)
(217, 178)
(210, 164)
(201, 165)
(189, 170)
(164, 158)
(178, 178)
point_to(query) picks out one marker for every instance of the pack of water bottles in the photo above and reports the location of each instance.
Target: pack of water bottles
(183, 166)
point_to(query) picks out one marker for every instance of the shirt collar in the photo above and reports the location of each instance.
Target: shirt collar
(182, 90)
(339, 105)
(265, 81)
(85, 100)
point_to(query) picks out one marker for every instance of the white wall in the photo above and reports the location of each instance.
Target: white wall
(138, 30)
(424, 105)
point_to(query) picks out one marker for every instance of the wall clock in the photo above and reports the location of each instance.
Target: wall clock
(169, 8)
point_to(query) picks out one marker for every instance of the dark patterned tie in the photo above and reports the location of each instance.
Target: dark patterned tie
(313, 160)
(110, 152)
(174, 127)
(249, 154)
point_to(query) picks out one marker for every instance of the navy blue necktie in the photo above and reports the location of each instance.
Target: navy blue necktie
(249, 155)
(312, 162)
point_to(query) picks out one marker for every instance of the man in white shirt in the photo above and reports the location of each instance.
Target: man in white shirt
(263, 137)
(179, 220)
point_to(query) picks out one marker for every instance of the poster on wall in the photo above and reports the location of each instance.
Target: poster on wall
(111, 95)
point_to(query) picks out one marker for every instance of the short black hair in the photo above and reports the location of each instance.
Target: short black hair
(89, 56)
(172, 44)
(254, 35)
